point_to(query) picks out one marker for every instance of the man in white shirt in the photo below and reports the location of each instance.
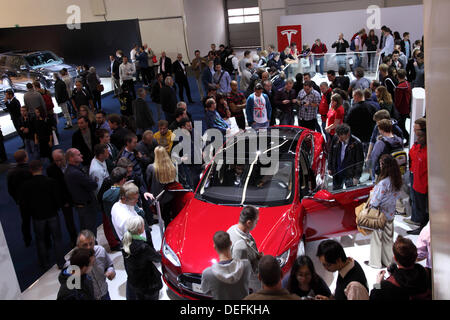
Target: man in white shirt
(125, 209)
(98, 170)
(389, 44)
(126, 72)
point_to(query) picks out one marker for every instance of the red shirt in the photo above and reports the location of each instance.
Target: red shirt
(419, 168)
(319, 50)
(333, 115)
(325, 104)
(403, 95)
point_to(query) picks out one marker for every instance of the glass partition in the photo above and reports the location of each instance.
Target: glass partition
(368, 60)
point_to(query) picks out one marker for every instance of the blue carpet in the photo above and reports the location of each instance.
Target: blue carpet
(25, 259)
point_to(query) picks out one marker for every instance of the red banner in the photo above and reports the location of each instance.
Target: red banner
(288, 35)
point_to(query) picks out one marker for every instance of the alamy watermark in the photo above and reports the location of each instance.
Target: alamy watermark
(374, 19)
(73, 21)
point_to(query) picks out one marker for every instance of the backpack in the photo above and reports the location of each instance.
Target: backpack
(398, 153)
(228, 66)
(352, 45)
(48, 101)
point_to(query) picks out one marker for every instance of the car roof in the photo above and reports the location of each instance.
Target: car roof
(21, 52)
(287, 138)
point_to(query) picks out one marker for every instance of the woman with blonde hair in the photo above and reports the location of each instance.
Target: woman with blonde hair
(139, 257)
(262, 59)
(159, 175)
(384, 99)
(84, 111)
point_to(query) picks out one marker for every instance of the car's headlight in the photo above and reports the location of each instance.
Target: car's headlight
(283, 258)
(170, 255)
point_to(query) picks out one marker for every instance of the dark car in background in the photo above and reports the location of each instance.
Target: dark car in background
(17, 68)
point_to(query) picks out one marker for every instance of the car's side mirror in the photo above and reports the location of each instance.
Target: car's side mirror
(322, 196)
(23, 67)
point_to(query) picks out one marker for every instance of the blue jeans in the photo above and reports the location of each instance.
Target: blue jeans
(341, 61)
(106, 297)
(257, 126)
(32, 149)
(358, 60)
(319, 68)
(41, 229)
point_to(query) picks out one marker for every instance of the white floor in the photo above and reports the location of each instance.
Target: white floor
(356, 246)
(5, 119)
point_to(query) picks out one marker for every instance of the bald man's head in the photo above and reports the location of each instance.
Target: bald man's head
(234, 86)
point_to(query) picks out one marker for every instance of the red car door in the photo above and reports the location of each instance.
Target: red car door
(327, 212)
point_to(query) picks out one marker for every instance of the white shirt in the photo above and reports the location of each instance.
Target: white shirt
(389, 46)
(182, 66)
(126, 71)
(343, 148)
(163, 64)
(133, 55)
(98, 172)
(120, 213)
(259, 109)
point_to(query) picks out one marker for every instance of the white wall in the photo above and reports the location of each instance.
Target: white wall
(205, 24)
(326, 26)
(9, 286)
(162, 22)
(437, 64)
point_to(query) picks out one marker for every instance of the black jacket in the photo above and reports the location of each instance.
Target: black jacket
(78, 143)
(16, 177)
(28, 124)
(142, 114)
(404, 284)
(61, 94)
(86, 292)
(369, 45)
(352, 165)
(142, 273)
(282, 95)
(81, 187)
(55, 172)
(410, 70)
(167, 65)
(168, 100)
(180, 74)
(115, 69)
(340, 47)
(118, 137)
(13, 108)
(40, 197)
(342, 82)
(156, 92)
(81, 98)
(360, 120)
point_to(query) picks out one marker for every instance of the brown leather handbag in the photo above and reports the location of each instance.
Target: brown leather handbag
(369, 219)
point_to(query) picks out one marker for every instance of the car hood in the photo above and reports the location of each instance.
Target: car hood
(190, 235)
(55, 67)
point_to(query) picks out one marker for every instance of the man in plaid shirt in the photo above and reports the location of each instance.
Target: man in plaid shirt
(308, 100)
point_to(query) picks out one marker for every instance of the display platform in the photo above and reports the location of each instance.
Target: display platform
(5, 119)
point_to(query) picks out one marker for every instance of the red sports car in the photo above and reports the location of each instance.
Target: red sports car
(294, 203)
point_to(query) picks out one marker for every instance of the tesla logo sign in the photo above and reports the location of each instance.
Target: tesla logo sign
(288, 35)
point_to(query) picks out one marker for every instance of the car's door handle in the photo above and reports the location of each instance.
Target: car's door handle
(362, 197)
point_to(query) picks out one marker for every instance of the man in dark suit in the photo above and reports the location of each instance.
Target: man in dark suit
(40, 198)
(15, 178)
(179, 69)
(118, 132)
(56, 172)
(168, 100)
(84, 139)
(113, 69)
(345, 166)
(207, 75)
(13, 107)
(165, 65)
(82, 190)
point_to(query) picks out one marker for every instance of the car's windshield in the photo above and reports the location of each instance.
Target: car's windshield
(43, 58)
(251, 179)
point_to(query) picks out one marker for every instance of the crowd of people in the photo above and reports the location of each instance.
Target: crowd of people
(117, 165)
